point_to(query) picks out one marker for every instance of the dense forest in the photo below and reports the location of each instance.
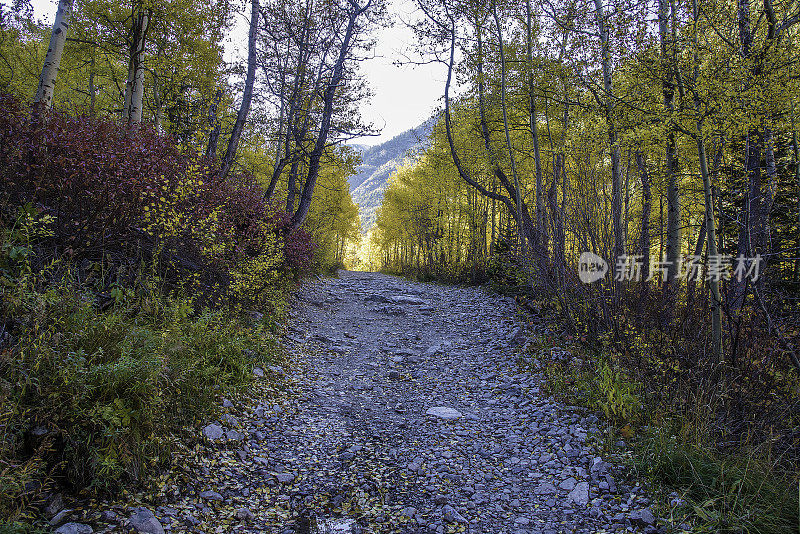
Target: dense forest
(628, 171)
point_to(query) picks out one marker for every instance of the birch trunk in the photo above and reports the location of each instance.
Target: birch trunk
(647, 207)
(213, 126)
(134, 86)
(47, 79)
(512, 160)
(715, 306)
(673, 192)
(541, 221)
(616, 176)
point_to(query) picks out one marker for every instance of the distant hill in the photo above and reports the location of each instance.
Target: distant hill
(379, 162)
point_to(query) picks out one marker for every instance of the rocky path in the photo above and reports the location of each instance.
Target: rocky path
(409, 413)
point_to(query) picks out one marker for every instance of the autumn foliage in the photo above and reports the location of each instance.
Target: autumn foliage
(135, 194)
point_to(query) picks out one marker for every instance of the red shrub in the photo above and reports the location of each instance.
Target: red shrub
(105, 185)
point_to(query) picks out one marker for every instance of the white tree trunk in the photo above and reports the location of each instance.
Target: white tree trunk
(47, 80)
(134, 88)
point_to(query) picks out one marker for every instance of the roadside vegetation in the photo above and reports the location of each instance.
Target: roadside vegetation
(149, 239)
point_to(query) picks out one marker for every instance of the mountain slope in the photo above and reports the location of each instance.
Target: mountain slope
(378, 164)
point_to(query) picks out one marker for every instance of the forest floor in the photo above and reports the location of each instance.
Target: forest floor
(407, 409)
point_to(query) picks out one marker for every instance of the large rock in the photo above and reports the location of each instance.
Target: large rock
(143, 520)
(580, 494)
(408, 299)
(443, 412)
(568, 484)
(74, 528)
(451, 515)
(213, 432)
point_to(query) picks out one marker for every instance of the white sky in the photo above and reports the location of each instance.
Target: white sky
(403, 97)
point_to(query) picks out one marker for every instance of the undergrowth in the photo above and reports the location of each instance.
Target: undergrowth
(701, 487)
(102, 369)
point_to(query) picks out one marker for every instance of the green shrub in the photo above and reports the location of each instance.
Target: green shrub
(742, 492)
(600, 384)
(96, 383)
(109, 387)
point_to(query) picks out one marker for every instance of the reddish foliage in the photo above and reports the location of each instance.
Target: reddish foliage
(97, 179)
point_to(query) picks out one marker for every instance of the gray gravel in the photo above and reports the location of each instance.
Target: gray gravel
(421, 402)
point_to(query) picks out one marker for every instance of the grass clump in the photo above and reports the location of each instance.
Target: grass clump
(739, 493)
(702, 485)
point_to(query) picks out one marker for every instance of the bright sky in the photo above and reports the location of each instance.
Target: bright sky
(404, 96)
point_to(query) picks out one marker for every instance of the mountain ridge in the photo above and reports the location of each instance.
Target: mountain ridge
(379, 163)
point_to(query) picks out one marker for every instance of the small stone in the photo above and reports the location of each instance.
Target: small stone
(54, 505)
(109, 516)
(230, 419)
(258, 372)
(234, 435)
(284, 478)
(60, 517)
(211, 496)
(74, 528)
(433, 350)
(338, 526)
(545, 488)
(213, 432)
(40, 431)
(443, 412)
(143, 520)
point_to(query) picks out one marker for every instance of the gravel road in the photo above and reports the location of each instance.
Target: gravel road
(406, 410)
